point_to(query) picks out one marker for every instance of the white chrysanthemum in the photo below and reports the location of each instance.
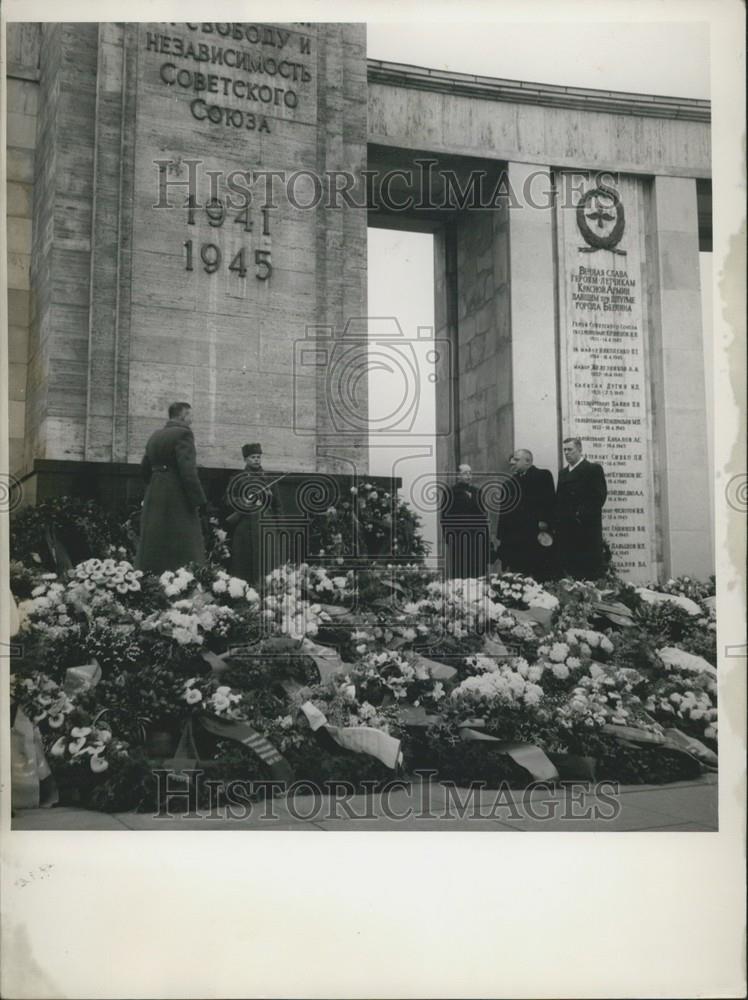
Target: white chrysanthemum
(522, 667)
(533, 694)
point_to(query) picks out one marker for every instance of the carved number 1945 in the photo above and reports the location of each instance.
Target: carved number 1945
(211, 257)
(210, 253)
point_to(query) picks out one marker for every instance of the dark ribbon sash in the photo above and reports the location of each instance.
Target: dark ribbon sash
(186, 755)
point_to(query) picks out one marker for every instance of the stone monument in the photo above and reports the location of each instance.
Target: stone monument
(188, 210)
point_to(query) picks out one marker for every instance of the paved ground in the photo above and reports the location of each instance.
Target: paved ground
(683, 806)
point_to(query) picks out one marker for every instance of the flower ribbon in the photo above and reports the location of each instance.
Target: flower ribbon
(538, 616)
(80, 679)
(357, 739)
(671, 739)
(528, 756)
(242, 732)
(437, 671)
(495, 648)
(32, 782)
(186, 756)
(15, 618)
(615, 612)
(326, 660)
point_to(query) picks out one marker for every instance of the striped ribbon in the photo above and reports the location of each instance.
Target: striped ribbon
(186, 756)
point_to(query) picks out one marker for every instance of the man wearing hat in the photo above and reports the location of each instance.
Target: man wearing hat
(524, 517)
(251, 495)
(171, 534)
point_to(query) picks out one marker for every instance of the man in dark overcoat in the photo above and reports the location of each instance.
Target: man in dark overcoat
(580, 497)
(170, 530)
(526, 511)
(254, 502)
(465, 531)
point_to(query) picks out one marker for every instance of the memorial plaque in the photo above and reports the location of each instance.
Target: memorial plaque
(604, 355)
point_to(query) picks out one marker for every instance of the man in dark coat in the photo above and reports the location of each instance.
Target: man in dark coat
(254, 500)
(170, 530)
(580, 496)
(526, 511)
(464, 527)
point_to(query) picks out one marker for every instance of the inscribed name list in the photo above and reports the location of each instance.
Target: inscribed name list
(605, 382)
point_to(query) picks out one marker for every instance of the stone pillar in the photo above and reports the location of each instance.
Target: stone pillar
(532, 294)
(111, 238)
(22, 101)
(482, 359)
(57, 383)
(506, 356)
(678, 373)
(340, 252)
(445, 329)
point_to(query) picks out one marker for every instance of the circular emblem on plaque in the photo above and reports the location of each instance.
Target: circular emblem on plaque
(600, 218)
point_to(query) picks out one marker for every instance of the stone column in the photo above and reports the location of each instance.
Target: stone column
(340, 251)
(482, 359)
(22, 104)
(111, 219)
(678, 372)
(61, 244)
(532, 301)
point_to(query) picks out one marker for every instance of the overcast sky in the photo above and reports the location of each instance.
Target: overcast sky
(651, 58)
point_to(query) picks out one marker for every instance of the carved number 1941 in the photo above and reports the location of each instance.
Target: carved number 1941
(210, 253)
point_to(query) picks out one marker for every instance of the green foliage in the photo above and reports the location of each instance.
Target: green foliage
(368, 522)
(84, 528)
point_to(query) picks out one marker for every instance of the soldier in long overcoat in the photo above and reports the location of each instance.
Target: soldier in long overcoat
(170, 530)
(254, 502)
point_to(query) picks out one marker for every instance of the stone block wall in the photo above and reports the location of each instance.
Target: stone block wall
(484, 340)
(60, 277)
(21, 123)
(109, 325)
